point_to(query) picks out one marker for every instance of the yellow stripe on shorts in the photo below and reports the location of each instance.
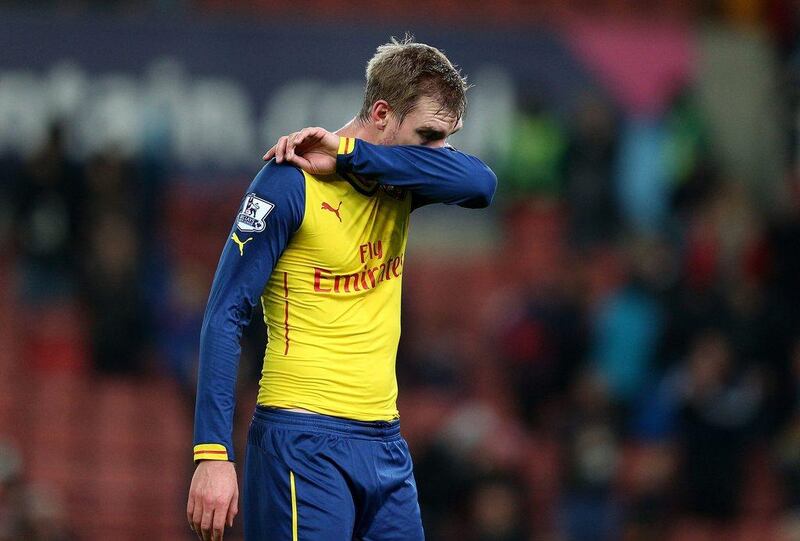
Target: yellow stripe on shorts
(294, 505)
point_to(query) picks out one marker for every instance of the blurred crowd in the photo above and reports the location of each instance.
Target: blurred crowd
(631, 366)
(624, 364)
(663, 366)
(82, 232)
(641, 342)
(73, 237)
(29, 510)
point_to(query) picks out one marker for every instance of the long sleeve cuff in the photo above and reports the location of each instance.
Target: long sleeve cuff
(346, 146)
(210, 451)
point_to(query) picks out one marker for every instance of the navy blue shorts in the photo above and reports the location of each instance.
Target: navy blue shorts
(319, 478)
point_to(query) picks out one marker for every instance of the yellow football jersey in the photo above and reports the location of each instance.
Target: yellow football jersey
(332, 304)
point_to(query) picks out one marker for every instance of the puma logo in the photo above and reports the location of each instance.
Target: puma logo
(241, 244)
(326, 206)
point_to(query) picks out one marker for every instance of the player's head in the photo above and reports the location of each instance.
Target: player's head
(414, 94)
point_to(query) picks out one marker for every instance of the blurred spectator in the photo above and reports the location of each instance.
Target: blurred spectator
(719, 406)
(627, 328)
(590, 510)
(10, 480)
(589, 181)
(446, 468)
(642, 182)
(467, 472)
(648, 505)
(431, 359)
(44, 517)
(496, 510)
(535, 161)
(179, 322)
(541, 349)
(787, 444)
(112, 187)
(48, 207)
(118, 318)
(27, 511)
(782, 289)
(687, 142)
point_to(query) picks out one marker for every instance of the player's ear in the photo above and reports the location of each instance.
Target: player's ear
(379, 115)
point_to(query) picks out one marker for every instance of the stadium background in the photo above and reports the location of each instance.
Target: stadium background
(609, 352)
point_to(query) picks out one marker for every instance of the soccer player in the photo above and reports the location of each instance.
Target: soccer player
(320, 241)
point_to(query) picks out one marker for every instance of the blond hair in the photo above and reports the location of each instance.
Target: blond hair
(401, 72)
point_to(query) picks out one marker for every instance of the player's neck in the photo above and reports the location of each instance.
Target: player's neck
(358, 129)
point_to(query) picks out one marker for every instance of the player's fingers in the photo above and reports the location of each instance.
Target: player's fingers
(206, 521)
(290, 144)
(280, 150)
(306, 134)
(312, 135)
(190, 510)
(218, 524)
(269, 155)
(306, 137)
(233, 509)
(197, 516)
(295, 139)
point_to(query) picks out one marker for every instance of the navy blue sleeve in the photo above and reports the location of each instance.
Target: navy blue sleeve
(432, 175)
(270, 212)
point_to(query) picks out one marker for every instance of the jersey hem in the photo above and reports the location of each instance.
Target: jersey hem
(333, 413)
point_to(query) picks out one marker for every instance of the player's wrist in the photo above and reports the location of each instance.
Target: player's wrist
(346, 146)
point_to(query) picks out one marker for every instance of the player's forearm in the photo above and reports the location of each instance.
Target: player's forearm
(216, 390)
(440, 175)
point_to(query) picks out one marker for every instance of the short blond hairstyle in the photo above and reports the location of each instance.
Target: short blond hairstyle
(401, 72)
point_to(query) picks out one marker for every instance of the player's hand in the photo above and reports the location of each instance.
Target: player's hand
(311, 149)
(213, 499)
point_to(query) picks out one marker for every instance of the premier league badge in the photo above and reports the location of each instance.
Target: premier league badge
(252, 217)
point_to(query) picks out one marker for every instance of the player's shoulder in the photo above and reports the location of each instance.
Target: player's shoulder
(279, 181)
(279, 175)
(277, 190)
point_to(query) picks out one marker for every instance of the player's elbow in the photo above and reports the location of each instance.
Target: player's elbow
(225, 320)
(485, 185)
